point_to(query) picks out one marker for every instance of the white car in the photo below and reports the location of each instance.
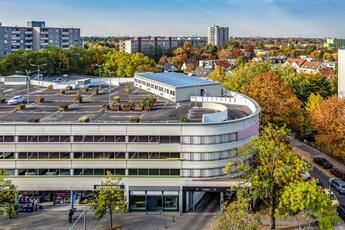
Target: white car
(337, 184)
(331, 196)
(16, 100)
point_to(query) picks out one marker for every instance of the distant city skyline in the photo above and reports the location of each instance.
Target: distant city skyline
(265, 18)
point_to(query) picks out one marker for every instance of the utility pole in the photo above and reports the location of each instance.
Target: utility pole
(38, 69)
(109, 96)
(99, 75)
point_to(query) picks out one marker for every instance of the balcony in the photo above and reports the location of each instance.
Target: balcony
(15, 38)
(28, 48)
(15, 31)
(44, 43)
(45, 32)
(28, 43)
(44, 38)
(65, 33)
(28, 32)
(15, 43)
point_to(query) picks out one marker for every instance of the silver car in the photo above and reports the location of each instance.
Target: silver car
(337, 184)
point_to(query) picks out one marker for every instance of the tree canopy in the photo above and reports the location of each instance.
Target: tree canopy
(279, 104)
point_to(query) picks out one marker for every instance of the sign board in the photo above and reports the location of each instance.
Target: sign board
(100, 187)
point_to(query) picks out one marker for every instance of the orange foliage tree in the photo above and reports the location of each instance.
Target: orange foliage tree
(278, 102)
(328, 121)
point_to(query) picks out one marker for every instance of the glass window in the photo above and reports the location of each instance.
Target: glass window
(143, 171)
(132, 171)
(43, 155)
(175, 172)
(78, 155)
(153, 171)
(164, 172)
(137, 203)
(170, 203)
(119, 172)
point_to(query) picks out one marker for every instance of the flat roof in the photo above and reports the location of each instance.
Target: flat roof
(163, 111)
(177, 80)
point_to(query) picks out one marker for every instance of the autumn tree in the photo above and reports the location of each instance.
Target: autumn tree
(110, 198)
(328, 121)
(243, 75)
(219, 74)
(279, 104)
(277, 166)
(313, 103)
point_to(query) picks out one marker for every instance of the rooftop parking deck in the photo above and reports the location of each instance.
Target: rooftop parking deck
(163, 111)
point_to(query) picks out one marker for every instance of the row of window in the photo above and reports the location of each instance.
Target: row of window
(92, 172)
(89, 155)
(89, 138)
(201, 156)
(214, 139)
(209, 156)
(156, 87)
(154, 172)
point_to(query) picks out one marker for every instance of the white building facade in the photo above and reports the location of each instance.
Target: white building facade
(217, 36)
(341, 73)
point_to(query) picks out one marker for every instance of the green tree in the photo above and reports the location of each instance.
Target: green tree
(237, 217)
(243, 75)
(307, 198)
(8, 193)
(277, 167)
(109, 199)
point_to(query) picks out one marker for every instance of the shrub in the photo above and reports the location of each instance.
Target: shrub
(135, 119)
(84, 119)
(116, 99)
(148, 102)
(184, 119)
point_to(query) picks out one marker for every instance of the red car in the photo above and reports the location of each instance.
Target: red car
(338, 173)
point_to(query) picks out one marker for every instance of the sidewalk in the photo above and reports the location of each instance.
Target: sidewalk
(309, 153)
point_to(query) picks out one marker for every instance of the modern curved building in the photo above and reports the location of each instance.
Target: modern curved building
(161, 160)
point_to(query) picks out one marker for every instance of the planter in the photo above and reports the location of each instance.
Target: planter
(126, 107)
(20, 107)
(84, 119)
(104, 107)
(148, 108)
(78, 100)
(33, 120)
(50, 87)
(95, 92)
(39, 100)
(115, 107)
(154, 100)
(68, 88)
(62, 92)
(116, 99)
(135, 119)
(138, 107)
(84, 90)
(2, 100)
(63, 107)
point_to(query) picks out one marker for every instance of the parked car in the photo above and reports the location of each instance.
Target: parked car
(30, 173)
(323, 162)
(337, 184)
(92, 85)
(306, 176)
(16, 100)
(341, 211)
(331, 196)
(338, 173)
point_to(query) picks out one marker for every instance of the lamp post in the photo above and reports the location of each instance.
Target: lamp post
(99, 75)
(27, 85)
(109, 96)
(38, 69)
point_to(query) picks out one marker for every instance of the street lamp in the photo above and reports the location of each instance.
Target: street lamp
(27, 85)
(38, 69)
(109, 96)
(99, 76)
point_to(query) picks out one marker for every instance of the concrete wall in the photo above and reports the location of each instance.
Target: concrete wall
(184, 94)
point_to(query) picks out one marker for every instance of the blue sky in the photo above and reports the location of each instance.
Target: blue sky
(276, 18)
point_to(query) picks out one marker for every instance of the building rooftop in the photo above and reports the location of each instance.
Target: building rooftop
(176, 80)
(163, 111)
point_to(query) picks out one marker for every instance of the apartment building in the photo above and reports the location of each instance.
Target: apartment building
(164, 164)
(341, 73)
(332, 43)
(156, 45)
(217, 36)
(35, 36)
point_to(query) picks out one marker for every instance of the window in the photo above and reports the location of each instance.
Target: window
(215, 139)
(6, 138)
(6, 155)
